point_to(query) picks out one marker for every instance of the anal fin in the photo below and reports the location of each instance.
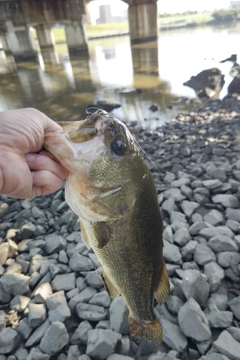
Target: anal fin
(112, 291)
(162, 292)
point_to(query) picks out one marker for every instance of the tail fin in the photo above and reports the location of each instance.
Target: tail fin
(152, 330)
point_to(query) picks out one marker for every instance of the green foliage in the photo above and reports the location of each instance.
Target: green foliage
(226, 15)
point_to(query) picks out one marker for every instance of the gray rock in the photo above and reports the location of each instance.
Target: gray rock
(187, 251)
(37, 335)
(178, 217)
(70, 294)
(196, 227)
(36, 263)
(217, 318)
(180, 182)
(4, 248)
(203, 254)
(15, 284)
(214, 274)
(54, 339)
(228, 346)
(83, 297)
(168, 234)
(215, 356)
(181, 237)
(124, 347)
(212, 184)
(91, 312)
(186, 191)
(220, 174)
(233, 214)
(195, 286)
(174, 193)
(9, 340)
(169, 206)
(102, 343)
(36, 315)
(13, 268)
(119, 357)
(62, 257)
(222, 243)
(84, 357)
(171, 253)
(64, 282)
(208, 233)
(189, 207)
(103, 324)
(193, 321)
(23, 329)
(235, 332)
(220, 300)
(174, 303)
(233, 225)
(119, 316)
(42, 292)
(21, 354)
(226, 200)
(94, 279)
(102, 299)
(19, 303)
(214, 217)
(73, 352)
(3, 320)
(235, 306)
(81, 333)
(173, 335)
(228, 258)
(36, 354)
(26, 231)
(58, 309)
(80, 263)
(54, 243)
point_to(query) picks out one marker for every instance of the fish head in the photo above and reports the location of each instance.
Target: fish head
(105, 164)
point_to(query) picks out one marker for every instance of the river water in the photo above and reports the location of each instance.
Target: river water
(113, 71)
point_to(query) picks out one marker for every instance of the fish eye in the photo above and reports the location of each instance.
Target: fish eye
(118, 147)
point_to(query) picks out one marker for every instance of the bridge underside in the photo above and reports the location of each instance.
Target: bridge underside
(16, 17)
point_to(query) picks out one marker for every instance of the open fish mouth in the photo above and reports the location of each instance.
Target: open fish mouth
(73, 144)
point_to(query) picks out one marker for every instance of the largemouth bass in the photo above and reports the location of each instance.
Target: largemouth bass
(111, 189)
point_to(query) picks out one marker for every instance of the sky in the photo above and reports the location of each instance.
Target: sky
(174, 6)
(169, 6)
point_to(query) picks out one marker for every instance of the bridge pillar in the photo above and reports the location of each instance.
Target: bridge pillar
(4, 43)
(142, 16)
(47, 43)
(76, 38)
(21, 42)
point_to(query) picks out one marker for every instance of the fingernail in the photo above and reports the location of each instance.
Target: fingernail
(30, 157)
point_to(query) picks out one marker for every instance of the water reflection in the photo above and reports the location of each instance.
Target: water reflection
(114, 71)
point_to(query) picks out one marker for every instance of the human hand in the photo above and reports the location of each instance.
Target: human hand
(27, 171)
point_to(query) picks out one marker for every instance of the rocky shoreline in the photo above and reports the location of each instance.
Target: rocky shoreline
(52, 301)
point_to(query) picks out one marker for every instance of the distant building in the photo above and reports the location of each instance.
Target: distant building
(107, 11)
(235, 5)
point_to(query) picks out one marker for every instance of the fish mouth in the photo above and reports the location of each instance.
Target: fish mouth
(90, 127)
(78, 139)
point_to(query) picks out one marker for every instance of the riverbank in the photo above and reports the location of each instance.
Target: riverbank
(166, 22)
(51, 286)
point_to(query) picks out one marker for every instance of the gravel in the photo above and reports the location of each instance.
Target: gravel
(53, 305)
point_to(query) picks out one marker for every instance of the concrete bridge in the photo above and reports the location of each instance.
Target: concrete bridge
(17, 16)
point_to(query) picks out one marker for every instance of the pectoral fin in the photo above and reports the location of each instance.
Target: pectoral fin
(112, 291)
(102, 233)
(162, 292)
